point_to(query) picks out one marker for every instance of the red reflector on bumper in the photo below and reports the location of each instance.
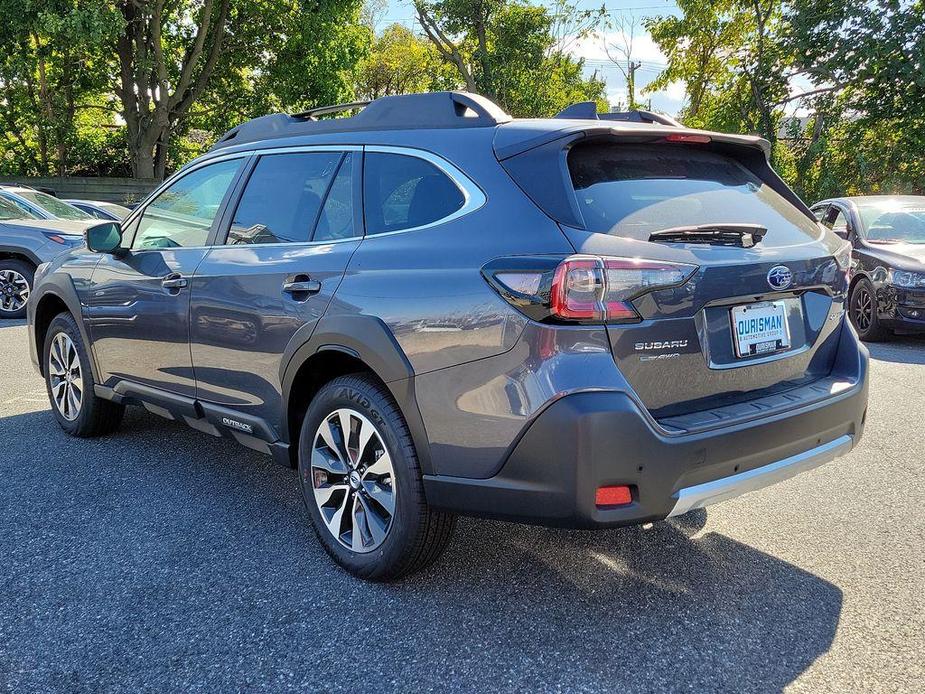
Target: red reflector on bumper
(613, 496)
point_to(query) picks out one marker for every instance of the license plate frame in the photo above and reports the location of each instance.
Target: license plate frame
(760, 342)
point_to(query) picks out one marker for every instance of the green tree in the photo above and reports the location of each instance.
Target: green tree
(513, 52)
(52, 59)
(401, 63)
(731, 60)
(174, 56)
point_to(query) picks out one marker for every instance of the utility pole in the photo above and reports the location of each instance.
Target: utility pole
(631, 68)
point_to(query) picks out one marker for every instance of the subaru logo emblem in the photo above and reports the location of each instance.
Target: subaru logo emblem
(780, 277)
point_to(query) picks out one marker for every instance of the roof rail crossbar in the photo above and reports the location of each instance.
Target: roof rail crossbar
(313, 113)
(587, 110)
(400, 112)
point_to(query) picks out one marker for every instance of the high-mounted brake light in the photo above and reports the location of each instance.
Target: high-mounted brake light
(689, 137)
(582, 288)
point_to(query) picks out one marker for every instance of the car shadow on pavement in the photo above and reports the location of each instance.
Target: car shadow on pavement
(903, 349)
(160, 558)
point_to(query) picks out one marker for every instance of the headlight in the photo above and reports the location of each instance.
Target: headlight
(906, 279)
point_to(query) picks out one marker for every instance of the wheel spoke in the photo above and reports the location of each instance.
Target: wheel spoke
(73, 400)
(323, 494)
(381, 495)
(323, 460)
(336, 520)
(360, 526)
(382, 466)
(367, 432)
(377, 526)
(343, 417)
(330, 439)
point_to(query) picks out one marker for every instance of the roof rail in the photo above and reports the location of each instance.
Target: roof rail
(311, 113)
(587, 110)
(402, 112)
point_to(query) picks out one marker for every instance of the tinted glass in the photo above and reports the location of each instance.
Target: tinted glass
(182, 215)
(403, 192)
(9, 210)
(632, 191)
(337, 216)
(58, 208)
(282, 199)
(117, 210)
(840, 223)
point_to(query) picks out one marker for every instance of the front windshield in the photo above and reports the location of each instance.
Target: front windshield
(9, 210)
(893, 221)
(58, 208)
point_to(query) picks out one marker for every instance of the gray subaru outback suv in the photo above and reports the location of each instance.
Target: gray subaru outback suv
(430, 308)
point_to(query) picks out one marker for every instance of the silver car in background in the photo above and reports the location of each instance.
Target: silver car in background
(25, 243)
(41, 205)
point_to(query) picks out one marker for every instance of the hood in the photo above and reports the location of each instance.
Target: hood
(906, 256)
(63, 226)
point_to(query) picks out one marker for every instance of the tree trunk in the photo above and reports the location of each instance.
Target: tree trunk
(142, 162)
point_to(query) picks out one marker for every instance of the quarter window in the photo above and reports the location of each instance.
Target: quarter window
(282, 201)
(336, 219)
(405, 192)
(183, 214)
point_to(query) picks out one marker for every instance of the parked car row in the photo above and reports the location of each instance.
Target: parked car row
(34, 227)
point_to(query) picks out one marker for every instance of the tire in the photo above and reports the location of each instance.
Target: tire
(862, 310)
(349, 492)
(16, 278)
(69, 383)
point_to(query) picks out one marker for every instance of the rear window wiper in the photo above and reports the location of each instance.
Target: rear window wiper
(743, 235)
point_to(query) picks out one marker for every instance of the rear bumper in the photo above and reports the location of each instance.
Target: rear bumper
(590, 439)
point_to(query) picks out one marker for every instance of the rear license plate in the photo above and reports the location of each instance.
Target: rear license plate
(760, 328)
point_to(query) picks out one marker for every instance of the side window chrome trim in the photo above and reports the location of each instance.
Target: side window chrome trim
(473, 197)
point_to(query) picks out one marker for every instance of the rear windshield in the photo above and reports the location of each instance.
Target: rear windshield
(632, 191)
(58, 208)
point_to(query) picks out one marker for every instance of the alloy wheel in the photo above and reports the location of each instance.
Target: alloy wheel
(14, 290)
(65, 376)
(863, 308)
(353, 480)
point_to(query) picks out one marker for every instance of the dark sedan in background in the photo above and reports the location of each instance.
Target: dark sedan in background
(887, 293)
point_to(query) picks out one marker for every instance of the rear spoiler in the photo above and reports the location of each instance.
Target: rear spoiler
(511, 141)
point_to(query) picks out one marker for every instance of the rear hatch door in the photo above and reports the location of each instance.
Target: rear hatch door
(760, 316)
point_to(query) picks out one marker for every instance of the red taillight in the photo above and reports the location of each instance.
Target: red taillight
(576, 288)
(689, 137)
(590, 288)
(613, 496)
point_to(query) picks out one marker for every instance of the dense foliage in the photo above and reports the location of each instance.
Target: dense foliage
(838, 86)
(136, 87)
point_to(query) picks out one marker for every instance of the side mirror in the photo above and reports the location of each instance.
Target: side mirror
(105, 237)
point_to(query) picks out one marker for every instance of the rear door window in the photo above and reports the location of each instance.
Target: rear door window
(283, 196)
(405, 192)
(635, 190)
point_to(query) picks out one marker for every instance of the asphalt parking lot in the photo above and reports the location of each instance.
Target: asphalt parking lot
(160, 559)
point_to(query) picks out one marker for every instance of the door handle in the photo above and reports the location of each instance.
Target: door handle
(174, 281)
(302, 287)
